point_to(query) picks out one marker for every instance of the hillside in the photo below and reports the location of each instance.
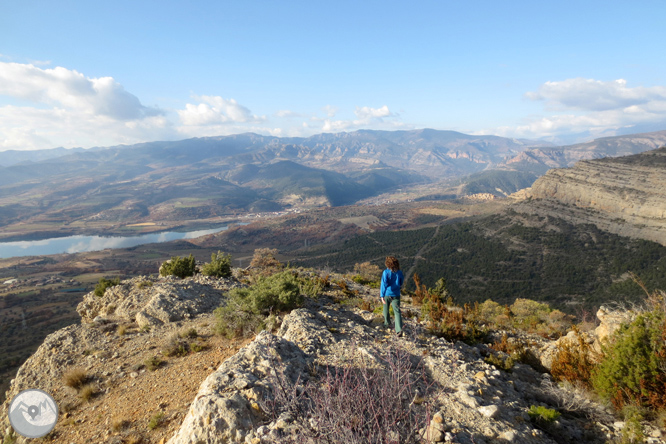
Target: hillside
(624, 195)
(509, 255)
(119, 376)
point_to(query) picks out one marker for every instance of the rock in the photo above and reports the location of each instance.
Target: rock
(611, 320)
(220, 412)
(166, 300)
(489, 411)
(509, 435)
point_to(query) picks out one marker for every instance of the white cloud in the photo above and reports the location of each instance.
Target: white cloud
(595, 95)
(330, 110)
(368, 113)
(34, 128)
(71, 90)
(591, 108)
(72, 110)
(366, 118)
(214, 110)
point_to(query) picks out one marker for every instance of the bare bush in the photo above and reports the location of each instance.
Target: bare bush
(576, 398)
(357, 404)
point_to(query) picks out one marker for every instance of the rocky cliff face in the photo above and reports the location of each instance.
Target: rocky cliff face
(625, 195)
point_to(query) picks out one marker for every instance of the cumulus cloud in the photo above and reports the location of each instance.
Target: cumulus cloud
(595, 95)
(366, 112)
(70, 109)
(71, 90)
(591, 108)
(213, 110)
(366, 117)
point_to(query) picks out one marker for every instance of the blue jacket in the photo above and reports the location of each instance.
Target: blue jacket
(391, 283)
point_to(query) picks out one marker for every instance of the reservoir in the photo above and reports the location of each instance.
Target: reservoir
(78, 244)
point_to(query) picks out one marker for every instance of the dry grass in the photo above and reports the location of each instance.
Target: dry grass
(75, 377)
(133, 438)
(87, 392)
(118, 423)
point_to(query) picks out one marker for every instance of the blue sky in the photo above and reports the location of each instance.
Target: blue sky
(82, 73)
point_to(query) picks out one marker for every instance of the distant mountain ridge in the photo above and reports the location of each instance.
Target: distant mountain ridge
(228, 175)
(539, 160)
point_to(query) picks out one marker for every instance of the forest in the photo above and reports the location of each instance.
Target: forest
(508, 256)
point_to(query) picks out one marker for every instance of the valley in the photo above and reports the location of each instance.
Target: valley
(160, 186)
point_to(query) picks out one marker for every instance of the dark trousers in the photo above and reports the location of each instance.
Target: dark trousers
(395, 303)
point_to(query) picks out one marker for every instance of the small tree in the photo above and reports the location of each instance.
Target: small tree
(103, 284)
(265, 261)
(179, 266)
(219, 265)
(367, 272)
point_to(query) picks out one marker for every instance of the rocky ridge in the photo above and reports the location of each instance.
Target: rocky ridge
(625, 195)
(540, 159)
(469, 400)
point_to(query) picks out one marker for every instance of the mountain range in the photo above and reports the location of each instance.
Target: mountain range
(229, 175)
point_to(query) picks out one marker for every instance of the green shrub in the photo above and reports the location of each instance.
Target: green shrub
(103, 284)
(495, 314)
(544, 415)
(502, 362)
(176, 346)
(277, 292)
(631, 370)
(235, 320)
(528, 313)
(181, 267)
(156, 420)
(144, 284)
(189, 333)
(311, 288)
(632, 432)
(153, 363)
(246, 308)
(219, 265)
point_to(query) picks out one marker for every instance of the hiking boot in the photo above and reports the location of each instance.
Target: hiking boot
(400, 335)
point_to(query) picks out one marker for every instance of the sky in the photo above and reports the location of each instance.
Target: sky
(82, 73)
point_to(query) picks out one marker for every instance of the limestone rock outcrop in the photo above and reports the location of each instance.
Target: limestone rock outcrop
(625, 195)
(150, 301)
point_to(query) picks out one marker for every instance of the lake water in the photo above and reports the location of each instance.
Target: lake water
(77, 244)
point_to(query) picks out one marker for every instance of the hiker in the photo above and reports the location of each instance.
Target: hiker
(389, 292)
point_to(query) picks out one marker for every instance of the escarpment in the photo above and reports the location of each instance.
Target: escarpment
(625, 195)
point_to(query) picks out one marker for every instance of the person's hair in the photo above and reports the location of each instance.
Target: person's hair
(392, 263)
